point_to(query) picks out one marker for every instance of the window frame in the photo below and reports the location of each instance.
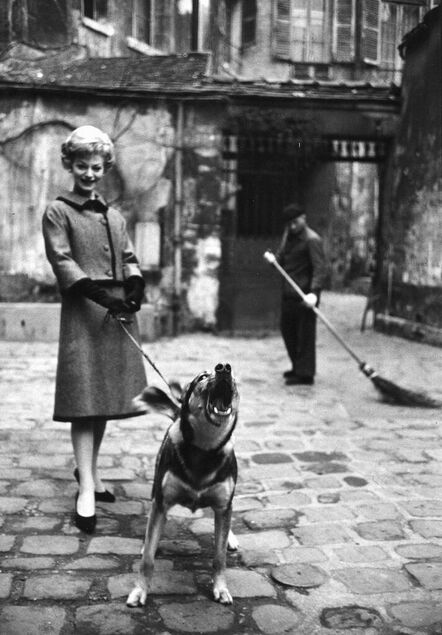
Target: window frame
(339, 28)
(95, 17)
(281, 24)
(400, 29)
(148, 19)
(246, 20)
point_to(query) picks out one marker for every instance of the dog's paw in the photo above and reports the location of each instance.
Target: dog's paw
(137, 597)
(232, 542)
(222, 595)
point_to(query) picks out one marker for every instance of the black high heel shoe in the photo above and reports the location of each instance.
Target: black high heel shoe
(102, 497)
(84, 523)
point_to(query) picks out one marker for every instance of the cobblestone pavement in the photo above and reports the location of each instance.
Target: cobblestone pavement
(338, 508)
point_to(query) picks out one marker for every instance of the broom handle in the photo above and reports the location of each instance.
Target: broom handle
(270, 257)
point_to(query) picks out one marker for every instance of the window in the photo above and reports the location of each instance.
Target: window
(141, 20)
(180, 26)
(95, 9)
(371, 25)
(344, 31)
(301, 30)
(384, 25)
(248, 23)
(183, 17)
(396, 21)
(389, 35)
(47, 23)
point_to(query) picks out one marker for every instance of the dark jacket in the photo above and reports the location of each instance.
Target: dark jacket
(302, 256)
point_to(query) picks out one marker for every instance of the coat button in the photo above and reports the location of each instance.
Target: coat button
(108, 273)
(102, 221)
(106, 247)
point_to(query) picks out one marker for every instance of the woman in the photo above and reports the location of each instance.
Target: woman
(98, 274)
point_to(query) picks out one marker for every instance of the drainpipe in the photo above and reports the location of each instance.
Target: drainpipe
(177, 256)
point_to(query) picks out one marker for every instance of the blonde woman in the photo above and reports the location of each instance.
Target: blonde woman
(98, 274)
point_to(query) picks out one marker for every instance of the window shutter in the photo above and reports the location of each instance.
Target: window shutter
(343, 41)
(163, 25)
(281, 34)
(370, 31)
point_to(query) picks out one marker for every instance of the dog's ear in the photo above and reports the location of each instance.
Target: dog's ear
(157, 400)
(176, 389)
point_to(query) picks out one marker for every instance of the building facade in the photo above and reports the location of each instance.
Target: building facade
(222, 112)
(410, 284)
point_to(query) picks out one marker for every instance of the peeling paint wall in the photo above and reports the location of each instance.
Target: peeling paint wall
(201, 243)
(141, 185)
(413, 221)
(342, 205)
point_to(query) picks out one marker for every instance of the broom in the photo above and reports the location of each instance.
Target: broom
(389, 391)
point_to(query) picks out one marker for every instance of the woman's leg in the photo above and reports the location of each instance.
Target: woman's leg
(82, 435)
(99, 429)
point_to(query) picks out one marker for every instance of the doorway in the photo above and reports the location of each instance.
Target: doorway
(341, 197)
(262, 176)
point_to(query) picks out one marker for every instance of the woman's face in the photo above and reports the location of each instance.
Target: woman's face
(87, 171)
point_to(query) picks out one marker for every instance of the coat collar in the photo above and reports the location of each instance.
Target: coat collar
(79, 202)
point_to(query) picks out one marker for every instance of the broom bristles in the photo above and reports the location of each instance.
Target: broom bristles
(392, 393)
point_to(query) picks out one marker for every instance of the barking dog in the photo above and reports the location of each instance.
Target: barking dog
(195, 467)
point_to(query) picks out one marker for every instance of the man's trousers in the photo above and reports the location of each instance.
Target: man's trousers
(298, 329)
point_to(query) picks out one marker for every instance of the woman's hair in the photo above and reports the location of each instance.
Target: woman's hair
(84, 141)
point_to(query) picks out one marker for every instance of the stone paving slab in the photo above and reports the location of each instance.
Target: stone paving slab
(336, 489)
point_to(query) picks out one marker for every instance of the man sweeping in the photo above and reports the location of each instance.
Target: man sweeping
(302, 256)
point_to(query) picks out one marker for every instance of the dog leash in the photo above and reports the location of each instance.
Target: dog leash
(121, 321)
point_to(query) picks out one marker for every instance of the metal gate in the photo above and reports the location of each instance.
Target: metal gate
(262, 175)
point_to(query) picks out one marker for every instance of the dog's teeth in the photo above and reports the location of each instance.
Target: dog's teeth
(222, 412)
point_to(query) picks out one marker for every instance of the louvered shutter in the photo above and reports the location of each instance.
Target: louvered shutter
(370, 31)
(163, 25)
(343, 41)
(282, 28)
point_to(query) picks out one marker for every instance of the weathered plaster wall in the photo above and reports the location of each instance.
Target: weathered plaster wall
(142, 185)
(342, 205)
(201, 242)
(413, 222)
(31, 132)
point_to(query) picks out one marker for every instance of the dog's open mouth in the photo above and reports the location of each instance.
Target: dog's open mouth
(219, 402)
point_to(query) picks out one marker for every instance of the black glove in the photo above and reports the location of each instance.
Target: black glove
(134, 288)
(90, 289)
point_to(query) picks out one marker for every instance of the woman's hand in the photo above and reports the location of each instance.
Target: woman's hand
(134, 288)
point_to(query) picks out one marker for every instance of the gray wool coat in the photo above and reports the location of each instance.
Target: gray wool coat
(99, 370)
